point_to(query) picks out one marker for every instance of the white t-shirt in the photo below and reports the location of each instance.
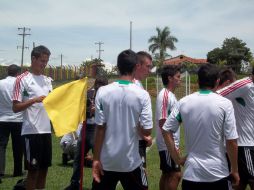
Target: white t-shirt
(121, 105)
(208, 119)
(241, 93)
(138, 83)
(6, 91)
(164, 104)
(28, 86)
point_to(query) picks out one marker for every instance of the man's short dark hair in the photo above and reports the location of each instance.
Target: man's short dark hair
(143, 54)
(208, 74)
(126, 62)
(253, 70)
(13, 70)
(227, 74)
(169, 70)
(40, 50)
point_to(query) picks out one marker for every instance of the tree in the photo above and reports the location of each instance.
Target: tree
(214, 56)
(233, 52)
(160, 43)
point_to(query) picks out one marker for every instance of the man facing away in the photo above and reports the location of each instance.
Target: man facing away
(119, 107)
(10, 123)
(241, 93)
(171, 172)
(208, 122)
(29, 91)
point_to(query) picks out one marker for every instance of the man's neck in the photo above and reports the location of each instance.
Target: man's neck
(127, 77)
(171, 88)
(209, 89)
(36, 73)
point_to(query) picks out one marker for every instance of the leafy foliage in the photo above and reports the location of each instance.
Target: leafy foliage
(233, 52)
(159, 44)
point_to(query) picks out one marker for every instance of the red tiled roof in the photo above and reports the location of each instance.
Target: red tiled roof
(182, 58)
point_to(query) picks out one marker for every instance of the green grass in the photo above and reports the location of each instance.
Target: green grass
(59, 176)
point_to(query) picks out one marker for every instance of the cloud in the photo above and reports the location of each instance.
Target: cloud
(71, 27)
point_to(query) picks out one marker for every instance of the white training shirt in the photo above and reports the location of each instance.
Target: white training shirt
(139, 84)
(241, 93)
(121, 105)
(6, 91)
(28, 86)
(208, 119)
(164, 104)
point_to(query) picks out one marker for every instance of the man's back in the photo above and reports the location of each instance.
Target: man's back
(207, 118)
(120, 105)
(241, 93)
(6, 90)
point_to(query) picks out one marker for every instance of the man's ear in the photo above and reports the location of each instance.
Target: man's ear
(33, 59)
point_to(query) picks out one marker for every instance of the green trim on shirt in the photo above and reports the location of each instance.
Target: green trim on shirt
(25, 93)
(124, 82)
(205, 91)
(179, 118)
(101, 107)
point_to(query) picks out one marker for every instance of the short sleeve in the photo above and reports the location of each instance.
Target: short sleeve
(99, 114)
(18, 90)
(236, 89)
(174, 119)
(230, 130)
(146, 112)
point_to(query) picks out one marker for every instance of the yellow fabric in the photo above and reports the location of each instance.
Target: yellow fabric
(66, 106)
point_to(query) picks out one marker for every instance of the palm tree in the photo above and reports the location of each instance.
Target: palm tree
(161, 42)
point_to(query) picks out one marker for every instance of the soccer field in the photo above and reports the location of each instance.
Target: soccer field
(59, 176)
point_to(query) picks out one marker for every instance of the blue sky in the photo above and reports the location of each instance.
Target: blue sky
(71, 28)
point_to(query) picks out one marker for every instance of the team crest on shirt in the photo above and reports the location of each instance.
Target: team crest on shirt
(25, 93)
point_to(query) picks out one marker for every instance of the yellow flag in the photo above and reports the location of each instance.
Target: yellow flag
(66, 106)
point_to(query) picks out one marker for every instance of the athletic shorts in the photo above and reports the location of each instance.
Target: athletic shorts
(246, 163)
(142, 151)
(37, 151)
(167, 164)
(223, 184)
(134, 180)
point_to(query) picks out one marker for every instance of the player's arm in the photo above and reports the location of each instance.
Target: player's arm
(98, 142)
(232, 151)
(169, 141)
(146, 123)
(100, 131)
(170, 126)
(21, 106)
(231, 136)
(17, 98)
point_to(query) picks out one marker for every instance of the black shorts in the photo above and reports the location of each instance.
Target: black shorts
(246, 163)
(134, 180)
(223, 184)
(142, 151)
(37, 151)
(167, 164)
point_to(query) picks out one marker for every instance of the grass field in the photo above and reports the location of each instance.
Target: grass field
(59, 175)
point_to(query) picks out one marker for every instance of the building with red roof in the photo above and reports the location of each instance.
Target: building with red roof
(182, 59)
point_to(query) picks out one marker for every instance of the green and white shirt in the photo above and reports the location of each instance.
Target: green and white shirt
(121, 106)
(241, 93)
(208, 119)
